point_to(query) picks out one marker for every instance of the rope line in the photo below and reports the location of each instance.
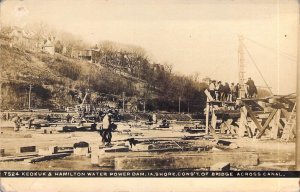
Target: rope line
(252, 59)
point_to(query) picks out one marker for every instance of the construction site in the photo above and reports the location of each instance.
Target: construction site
(245, 134)
(250, 138)
(70, 105)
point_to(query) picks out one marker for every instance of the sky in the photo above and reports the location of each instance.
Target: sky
(195, 36)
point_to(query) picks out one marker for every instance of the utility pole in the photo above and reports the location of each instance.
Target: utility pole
(179, 104)
(29, 95)
(242, 90)
(123, 101)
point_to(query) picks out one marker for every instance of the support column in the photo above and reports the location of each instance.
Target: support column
(275, 125)
(207, 116)
(243, 122)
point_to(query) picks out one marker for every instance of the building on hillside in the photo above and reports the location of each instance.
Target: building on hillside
(23, 39)
(48, 46)
(158, 67)
(90, 55)
(75, 53)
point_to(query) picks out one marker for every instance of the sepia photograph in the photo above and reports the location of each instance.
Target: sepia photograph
(148, 88)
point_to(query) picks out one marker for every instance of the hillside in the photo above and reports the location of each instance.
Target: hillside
(55, 79)
(59, 81)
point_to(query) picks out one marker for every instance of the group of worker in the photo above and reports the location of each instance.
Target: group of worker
(18, 121)
(226, 92)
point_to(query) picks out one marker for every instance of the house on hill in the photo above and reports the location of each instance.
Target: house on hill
(48, 46)
(158, 67)
(91, 55)
(23, 39)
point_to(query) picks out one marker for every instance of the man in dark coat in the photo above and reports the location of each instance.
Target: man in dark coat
(252, 90)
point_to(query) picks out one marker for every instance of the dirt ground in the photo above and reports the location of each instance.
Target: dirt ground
(273, 154)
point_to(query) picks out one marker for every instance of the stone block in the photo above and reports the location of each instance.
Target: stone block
(53, 149)
(25, 149)
(222, 166)
(81, 151)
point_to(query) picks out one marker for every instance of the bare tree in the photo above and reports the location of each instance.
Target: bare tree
(168, 67)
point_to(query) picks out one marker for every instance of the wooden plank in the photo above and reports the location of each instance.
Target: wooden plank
(210, 98)
(252, 127)
(272, 114)
(46, 157)
(289, 126)
(116, 149)
(213, 120)
(253, 118)
(18, 158)
(213, 126)
(275, 127)
(249, 131)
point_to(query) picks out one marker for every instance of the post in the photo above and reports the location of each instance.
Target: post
(242, 90)
(207, 116)
(275, 125)
(29, 95)
(243, 122)
(179, 105)
(144, 106)
(123, 101)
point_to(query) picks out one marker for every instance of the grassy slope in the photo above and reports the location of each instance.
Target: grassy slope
(52, 78)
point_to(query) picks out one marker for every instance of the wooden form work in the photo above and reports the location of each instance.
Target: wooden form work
(252, 125)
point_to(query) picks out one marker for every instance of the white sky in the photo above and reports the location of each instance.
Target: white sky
(193, 35)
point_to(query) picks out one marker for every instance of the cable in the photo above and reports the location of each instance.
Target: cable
(257, 68)
(287, 55)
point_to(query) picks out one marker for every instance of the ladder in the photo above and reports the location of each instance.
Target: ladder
(289, 126)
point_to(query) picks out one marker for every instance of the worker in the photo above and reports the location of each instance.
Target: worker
(154, 118)
(211, 88)
(17, 123)
(150, 119)
(252, 90)
(48, 118)
(232, 95)
(30, 121)
(226, 92)
(106, 129)
(68, 117)
(236, 90)
(218, 90)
